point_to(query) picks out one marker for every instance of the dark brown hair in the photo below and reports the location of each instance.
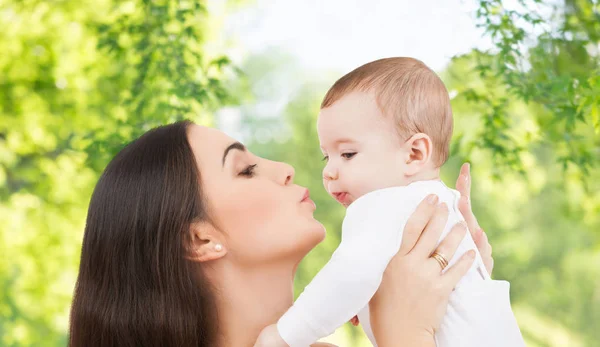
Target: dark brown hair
(135, 285)
(407, 90)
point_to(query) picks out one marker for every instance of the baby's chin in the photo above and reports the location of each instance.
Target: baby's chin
(350, 202)
(343, 198)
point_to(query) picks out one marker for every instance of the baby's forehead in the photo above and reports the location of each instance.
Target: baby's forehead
(345, 125)
(340, 141)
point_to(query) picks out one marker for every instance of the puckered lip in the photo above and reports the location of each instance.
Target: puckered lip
(305, 196)
(342, 197)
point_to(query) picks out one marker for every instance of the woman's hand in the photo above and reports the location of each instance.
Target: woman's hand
(463, 185)
(413, 296)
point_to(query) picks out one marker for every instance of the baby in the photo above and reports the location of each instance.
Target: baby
(384, 130)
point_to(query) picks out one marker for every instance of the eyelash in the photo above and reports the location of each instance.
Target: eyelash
(346, 156)
(249, 171)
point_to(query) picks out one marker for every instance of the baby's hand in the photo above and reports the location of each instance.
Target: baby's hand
(269, 337)
(354, 321)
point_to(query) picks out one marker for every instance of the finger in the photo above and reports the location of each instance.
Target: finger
(447, 248)
(417, 222)
(488, 262)
(483, 244)
(463, 185)
(430, 236)
(354, 321)
(485, 249)
(471, 220)
(459, 269)
(489, 266)
(463, 182)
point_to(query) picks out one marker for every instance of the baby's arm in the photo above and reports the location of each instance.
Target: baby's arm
(371, 235)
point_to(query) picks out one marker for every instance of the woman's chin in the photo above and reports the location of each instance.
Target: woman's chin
(322, 232)
(319, 231)
(310, 237)
(316, 234)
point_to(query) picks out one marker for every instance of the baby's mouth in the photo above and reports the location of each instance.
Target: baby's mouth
(343, 198)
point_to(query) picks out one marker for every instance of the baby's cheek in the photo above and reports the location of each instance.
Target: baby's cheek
(367, 182)
(363, 177)
(377, 178)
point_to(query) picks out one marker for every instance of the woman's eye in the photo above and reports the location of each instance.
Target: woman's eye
(348, 155)
(249, 171)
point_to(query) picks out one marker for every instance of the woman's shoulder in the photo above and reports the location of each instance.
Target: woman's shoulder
(322, 344)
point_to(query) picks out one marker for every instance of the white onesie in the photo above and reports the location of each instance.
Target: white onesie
(479, 312)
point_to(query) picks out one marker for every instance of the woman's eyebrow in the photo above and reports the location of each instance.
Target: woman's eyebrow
(235, 145)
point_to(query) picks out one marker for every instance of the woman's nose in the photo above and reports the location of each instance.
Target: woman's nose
(288, 173)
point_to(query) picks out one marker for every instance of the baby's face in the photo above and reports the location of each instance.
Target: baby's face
(361, 147)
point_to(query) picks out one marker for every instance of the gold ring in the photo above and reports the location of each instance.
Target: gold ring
(439, 257)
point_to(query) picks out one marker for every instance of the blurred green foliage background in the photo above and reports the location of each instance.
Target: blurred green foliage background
(79, 79)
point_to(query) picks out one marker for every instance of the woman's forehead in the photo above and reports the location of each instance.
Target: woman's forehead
(208, 145)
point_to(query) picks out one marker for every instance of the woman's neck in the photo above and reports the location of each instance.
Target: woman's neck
(250, 299)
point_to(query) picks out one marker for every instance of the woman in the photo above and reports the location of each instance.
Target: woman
(191, 240)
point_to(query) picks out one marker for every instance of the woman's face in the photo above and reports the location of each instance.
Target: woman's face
(253, 201)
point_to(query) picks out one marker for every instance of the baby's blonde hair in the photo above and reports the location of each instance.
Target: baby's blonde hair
(409, 91)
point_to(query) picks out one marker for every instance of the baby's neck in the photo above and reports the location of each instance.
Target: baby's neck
(425, 175)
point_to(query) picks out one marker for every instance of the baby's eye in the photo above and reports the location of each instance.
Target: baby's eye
(348, 155)
(325, 158)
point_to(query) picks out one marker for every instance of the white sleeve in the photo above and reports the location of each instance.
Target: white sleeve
(371, 236)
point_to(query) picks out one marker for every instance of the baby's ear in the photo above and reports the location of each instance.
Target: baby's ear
(205, 243)
(420, 150)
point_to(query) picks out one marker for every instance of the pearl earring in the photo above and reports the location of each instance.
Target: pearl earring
(218, 247)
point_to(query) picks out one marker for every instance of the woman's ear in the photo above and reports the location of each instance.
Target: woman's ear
(206, 243)
(420, 149)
